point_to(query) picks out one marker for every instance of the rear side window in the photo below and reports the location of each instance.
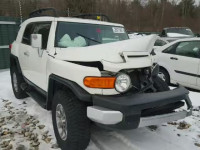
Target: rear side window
(27, 34)
(187, 48)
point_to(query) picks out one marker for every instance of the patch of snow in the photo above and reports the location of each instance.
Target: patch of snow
(135, 35)
(165, 137)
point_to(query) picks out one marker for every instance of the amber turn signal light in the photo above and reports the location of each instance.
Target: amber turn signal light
(100, 82)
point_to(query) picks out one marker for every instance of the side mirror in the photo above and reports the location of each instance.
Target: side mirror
(36, 42)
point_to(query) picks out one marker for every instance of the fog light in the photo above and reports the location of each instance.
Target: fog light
(122, 82)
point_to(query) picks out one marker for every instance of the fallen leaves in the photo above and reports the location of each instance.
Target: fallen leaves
(183, 125)
(197, 144)
(41, 127)
(18, 123)
(180, 125)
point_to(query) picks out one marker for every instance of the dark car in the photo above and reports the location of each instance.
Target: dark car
(175, 33)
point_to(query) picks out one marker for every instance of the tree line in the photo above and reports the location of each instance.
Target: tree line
(135, 15)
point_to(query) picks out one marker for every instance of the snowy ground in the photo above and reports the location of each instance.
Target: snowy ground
(20, 121)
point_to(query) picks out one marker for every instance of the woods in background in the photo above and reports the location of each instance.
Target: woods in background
(135, 15)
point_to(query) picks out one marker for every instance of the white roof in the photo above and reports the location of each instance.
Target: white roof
(70, 19)
(187, 39)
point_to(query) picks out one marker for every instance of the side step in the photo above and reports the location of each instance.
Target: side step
(39, 98)
(24, 86)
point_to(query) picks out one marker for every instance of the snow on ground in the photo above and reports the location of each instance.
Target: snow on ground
(135, 35)
(30, 116)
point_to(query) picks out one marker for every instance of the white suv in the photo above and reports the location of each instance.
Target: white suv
(89, 71)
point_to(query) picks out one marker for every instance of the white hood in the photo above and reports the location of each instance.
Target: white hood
(108, 52)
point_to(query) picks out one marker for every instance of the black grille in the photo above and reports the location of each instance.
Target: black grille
(140, 78)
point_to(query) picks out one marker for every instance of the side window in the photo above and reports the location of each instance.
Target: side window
(43, 29)
(189, 49)
(171, 49)
(27, 34)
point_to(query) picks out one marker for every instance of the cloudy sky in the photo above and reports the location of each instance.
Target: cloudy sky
(197, 1)
(146, 1)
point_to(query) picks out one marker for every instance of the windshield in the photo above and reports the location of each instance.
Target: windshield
(180, 31)
(82, 34)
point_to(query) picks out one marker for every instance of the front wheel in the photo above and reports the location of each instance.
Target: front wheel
(70, 122)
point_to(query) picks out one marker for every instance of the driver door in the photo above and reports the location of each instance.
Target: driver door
(37, 61)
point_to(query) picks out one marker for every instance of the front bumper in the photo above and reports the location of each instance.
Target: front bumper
(126, 112)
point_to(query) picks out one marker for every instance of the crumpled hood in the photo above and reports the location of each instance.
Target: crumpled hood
(110, 52)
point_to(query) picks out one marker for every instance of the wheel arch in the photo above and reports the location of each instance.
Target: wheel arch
(56, 83)
(15, 62)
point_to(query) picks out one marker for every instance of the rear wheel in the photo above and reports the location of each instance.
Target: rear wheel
(17, 80)
(70, 122)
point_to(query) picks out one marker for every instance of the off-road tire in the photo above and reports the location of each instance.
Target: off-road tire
(78, 125)
(19, 94)
(166, 74)
(160, 85)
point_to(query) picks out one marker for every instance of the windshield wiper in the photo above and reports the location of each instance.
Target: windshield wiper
(88, 38)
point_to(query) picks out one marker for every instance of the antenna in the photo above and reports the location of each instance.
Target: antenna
(20, 11)
(68, 13)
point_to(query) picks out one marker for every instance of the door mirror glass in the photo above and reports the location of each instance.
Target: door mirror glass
(36, 41)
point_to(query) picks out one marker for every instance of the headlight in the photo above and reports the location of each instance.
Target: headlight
(122, 82)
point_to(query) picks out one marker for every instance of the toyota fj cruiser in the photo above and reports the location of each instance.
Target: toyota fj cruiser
(88, 71)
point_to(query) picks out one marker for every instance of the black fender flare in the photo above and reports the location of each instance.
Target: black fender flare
(14, 61)
(81, 94)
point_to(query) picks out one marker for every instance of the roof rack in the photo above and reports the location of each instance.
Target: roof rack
(38, 13)
(96, 16)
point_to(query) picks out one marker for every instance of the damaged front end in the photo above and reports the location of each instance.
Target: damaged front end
(125, 74)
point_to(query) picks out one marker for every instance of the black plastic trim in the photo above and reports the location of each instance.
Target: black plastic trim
(132, 105)
(14, 59)
(189, 74)
(81, 94)
(136, 56)
(41, 91)
(39, 98)
(96, 64)
(143, 100)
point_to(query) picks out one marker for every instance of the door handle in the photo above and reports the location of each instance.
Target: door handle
(26, 53)
(173, 58)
